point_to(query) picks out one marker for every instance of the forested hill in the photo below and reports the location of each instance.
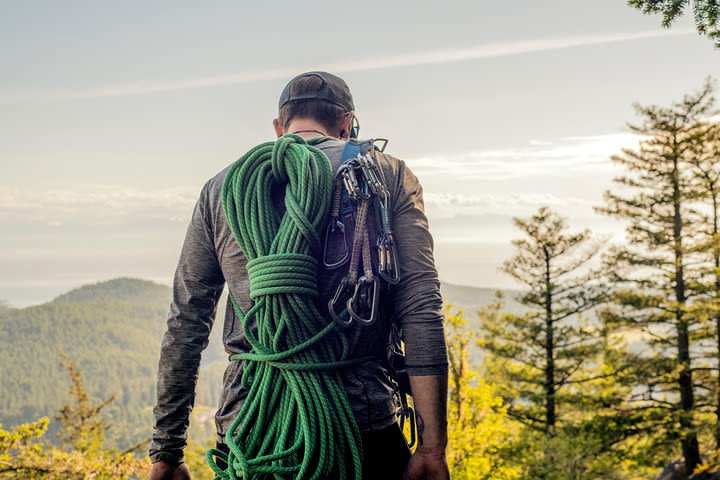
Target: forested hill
(112, 331)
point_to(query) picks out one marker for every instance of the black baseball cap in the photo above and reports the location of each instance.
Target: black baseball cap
(333, 89)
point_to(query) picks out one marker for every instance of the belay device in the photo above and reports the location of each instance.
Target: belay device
(359, 189)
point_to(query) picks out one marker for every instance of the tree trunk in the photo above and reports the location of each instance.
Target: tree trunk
(690, 447)
(716, 255)
(549, 352)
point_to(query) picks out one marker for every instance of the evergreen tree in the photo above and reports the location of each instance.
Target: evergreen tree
(656, 274)
(705, 169)
(546, 350)
(82, 425)
(705, 12)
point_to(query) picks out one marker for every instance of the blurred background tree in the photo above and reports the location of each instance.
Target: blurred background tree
(658, 275)
(706, 13)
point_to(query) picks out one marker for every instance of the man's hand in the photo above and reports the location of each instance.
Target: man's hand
(166, 471)
(427, 465)
(430, 401)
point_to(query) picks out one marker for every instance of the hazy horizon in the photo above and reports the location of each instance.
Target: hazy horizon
(115, 116)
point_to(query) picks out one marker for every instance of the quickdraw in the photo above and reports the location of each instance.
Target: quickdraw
(359, 183)
(359, 186)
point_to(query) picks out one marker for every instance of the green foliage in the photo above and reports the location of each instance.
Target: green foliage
(112, 331)
(706, 13)
(23, 455)
(195, 458)
(83, 428)
(545, 351)
(479, 431)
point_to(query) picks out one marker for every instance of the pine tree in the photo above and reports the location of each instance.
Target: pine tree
(545, 350)
(705, 12)
(82, 425)
(656, 273)
(705, 170)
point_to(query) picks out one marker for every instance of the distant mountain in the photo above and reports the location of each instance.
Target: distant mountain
(470, 299)
(112, 330)
(120, 289)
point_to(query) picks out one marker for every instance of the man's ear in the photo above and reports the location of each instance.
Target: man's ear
(278, 128)
(346, 124)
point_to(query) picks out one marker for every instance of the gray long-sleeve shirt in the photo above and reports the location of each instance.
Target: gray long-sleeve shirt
(210, 257)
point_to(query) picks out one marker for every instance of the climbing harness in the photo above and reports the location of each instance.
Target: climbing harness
(296, 419)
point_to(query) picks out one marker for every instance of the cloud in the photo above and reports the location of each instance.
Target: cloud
(568, 155)
(377, 62)
(541, 162)
(55, 206)
(450, 205)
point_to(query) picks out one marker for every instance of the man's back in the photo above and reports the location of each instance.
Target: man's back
(211, 257)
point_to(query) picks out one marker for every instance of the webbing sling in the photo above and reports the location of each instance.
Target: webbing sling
(296, 421)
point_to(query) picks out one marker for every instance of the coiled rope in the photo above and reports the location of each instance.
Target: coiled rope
(296, 421)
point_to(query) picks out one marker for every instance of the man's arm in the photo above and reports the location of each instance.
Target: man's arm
(197, 286)
(417, 303)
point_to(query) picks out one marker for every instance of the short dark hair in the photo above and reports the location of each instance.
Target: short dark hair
(326, 113)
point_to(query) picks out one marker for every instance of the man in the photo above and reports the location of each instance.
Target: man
(314, 104)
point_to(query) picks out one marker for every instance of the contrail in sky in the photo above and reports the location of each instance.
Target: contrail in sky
(379, 62)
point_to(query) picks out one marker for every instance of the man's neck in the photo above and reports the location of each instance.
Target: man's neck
(307, 128)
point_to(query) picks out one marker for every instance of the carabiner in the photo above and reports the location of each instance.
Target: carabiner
(381, 207)
(371, 304)
(407, 412)
(370, 173)
(364, 190)
(334, 225)
(384, 142)
(350, 181)
(342, 287)
(389, 270)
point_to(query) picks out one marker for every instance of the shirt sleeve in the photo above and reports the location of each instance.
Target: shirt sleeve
(417, 301)
(197, 285)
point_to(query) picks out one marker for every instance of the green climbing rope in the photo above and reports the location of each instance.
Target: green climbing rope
(296, 421)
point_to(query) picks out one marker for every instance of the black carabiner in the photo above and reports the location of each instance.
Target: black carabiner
(389, 270)
(342, 287)
(334, 225)
(407, 412)
(384, 142)
(372, 304)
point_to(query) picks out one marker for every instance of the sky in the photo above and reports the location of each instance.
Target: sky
(114, 114)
